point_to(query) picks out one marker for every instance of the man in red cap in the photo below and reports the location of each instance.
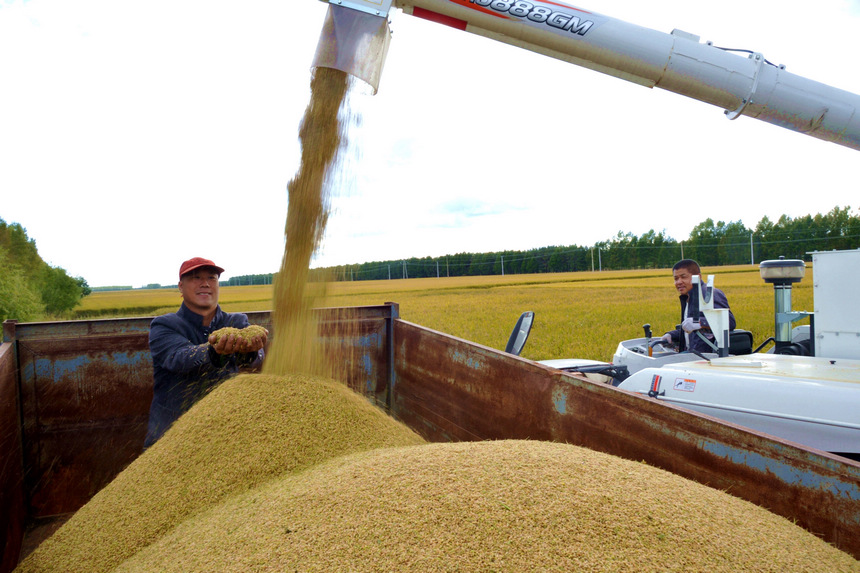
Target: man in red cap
(185, 364)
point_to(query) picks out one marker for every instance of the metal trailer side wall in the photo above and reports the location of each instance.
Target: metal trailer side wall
(449, 389)
(83, 391)
(13, 511)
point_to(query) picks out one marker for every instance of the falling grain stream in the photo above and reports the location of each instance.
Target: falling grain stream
(322, 136)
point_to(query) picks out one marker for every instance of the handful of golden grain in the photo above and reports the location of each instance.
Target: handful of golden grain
(248, 333)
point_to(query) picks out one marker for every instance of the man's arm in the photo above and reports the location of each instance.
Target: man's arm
(174, 352)
(674, 337)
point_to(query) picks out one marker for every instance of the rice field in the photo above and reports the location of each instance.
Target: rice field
(581, 314)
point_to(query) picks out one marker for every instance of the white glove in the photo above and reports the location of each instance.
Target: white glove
(666, 339)
(689, 325)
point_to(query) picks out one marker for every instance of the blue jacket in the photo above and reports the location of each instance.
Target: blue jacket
(696, 343)
(185, 367)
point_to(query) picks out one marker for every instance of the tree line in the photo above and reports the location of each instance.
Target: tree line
(710, 243)
(31, 289)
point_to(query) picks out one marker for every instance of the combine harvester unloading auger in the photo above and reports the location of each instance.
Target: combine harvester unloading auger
(812, 400)
(356, 36)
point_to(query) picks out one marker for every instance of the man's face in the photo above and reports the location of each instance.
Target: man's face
(683, 280)
(199, 290)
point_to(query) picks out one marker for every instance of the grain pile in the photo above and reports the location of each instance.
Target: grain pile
(487, 506)
(247, 431)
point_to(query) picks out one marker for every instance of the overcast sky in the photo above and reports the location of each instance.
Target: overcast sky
(137, 134)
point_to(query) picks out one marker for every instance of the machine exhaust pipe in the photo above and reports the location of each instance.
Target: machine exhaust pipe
(782, 274)
(354, 39)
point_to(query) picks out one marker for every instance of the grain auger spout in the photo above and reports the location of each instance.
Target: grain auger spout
(741, 83)
(355, 38)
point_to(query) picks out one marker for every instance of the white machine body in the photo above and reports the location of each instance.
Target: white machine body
(805, 399)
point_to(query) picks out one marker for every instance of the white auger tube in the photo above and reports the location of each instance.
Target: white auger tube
(677, 62)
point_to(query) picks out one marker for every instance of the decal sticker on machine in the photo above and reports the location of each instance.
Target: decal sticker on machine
(539, 14)
(685, 385)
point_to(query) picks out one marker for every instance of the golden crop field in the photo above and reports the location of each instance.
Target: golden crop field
(577, 315)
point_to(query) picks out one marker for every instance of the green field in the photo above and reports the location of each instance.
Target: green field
(581, 315)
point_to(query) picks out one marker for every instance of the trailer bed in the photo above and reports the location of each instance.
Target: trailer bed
(445, 388)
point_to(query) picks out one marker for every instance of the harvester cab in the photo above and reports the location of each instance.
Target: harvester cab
(805, 388)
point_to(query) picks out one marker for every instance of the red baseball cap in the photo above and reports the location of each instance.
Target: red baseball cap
(196, 263)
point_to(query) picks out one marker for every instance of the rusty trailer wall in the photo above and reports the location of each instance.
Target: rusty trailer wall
(449, 389)
(74, 404)
(358, 342)
(85, 390)
(13, 511)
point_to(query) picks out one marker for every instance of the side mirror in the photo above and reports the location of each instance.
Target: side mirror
(518, 338)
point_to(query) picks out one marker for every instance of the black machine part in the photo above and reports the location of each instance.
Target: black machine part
(520, 334)
(618, 372)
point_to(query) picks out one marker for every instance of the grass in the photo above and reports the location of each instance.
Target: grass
(582, 315)
(152, 302)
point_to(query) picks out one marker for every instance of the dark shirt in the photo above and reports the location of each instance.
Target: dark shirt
(696, 343)
(185, 367)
